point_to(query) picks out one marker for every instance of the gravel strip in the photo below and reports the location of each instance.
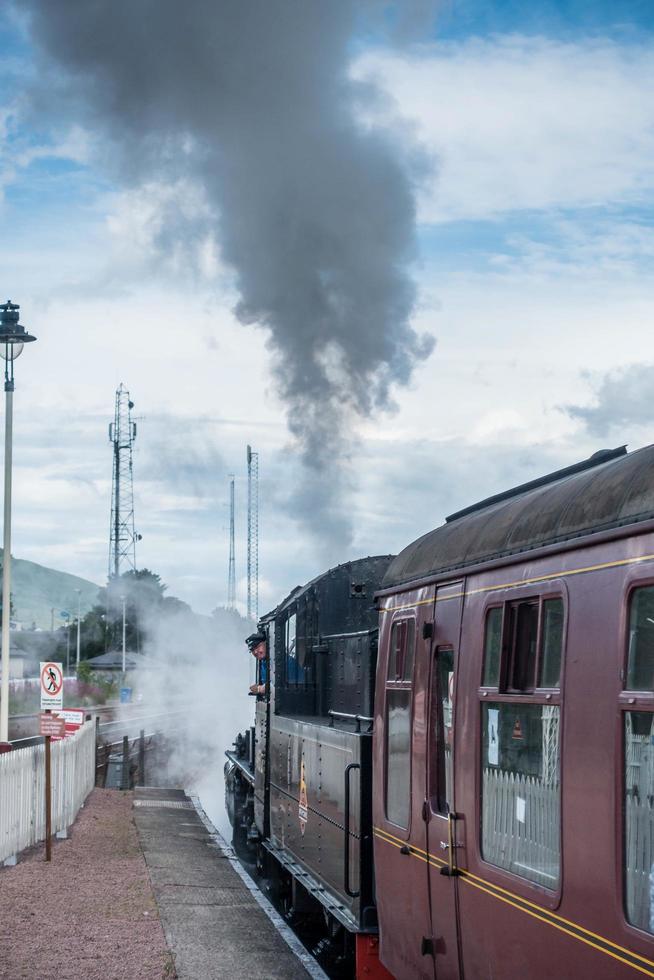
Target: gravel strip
(89, 913)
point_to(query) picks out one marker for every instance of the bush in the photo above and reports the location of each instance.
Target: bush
(93, 687)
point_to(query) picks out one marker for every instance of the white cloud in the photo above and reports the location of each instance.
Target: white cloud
(516, 124)
(524, 122)
(158, 230)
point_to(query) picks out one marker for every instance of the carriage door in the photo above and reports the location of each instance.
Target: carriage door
(444, 831)
(399, 748)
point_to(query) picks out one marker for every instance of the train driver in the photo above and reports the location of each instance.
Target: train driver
(257, 645)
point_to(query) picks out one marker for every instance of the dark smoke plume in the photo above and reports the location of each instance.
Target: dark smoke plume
(313, 212)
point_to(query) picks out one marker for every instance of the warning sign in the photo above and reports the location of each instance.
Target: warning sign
(51, 725)
(303, 808)
(52, 686)
(73, 719)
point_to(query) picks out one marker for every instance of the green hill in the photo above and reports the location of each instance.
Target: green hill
(36, 590)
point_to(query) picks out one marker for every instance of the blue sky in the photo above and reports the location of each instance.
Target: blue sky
(627, 19)
(534, 267)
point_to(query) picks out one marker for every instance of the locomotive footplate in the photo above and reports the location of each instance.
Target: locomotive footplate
(242, 765)
(318, 891)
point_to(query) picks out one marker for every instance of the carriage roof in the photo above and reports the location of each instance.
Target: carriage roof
(611, 489)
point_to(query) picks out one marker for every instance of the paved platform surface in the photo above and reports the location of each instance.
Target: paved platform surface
(214, 926)
(90, 913)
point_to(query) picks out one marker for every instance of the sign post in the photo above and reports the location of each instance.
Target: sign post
(48, 800)
(52, 696)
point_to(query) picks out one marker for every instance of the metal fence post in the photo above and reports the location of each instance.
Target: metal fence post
(142, 757)
(124, 780)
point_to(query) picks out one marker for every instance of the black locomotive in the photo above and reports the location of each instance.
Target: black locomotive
(299, 792)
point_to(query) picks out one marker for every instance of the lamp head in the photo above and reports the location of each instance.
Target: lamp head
(13, 336)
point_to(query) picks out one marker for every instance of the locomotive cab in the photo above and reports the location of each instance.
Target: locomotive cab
(311, 780)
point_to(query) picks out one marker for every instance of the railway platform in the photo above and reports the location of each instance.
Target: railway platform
(143, 888)
(217, 925)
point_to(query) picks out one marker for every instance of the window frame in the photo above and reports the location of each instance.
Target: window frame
(437, 766)
(636, 695)
(291, 613)
(502, 691)
(554, 588)
(392, 684)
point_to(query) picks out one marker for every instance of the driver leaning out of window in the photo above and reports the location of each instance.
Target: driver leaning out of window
(257, 646)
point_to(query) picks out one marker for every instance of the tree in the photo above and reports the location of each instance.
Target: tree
(144, 596)
(94, 633)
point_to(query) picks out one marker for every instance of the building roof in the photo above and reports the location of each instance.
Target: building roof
(609, 490)
(113, 660)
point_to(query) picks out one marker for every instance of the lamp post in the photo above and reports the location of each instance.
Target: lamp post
(13, 337)
(122, 599)
(79, 625)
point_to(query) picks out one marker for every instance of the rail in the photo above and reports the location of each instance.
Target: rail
(357, 719)
(137, 721)
(109, 727)
(140, 737)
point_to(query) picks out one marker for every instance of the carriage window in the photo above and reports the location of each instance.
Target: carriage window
(551, 643)
(398, 722)
(520, 754)
(640, 670)
(398, 761)
(493, 647)
(639, 818)
(520, 825)
(442, 727)
(400, 661)
(532, 654)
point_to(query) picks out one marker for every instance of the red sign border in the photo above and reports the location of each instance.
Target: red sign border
(52, 694)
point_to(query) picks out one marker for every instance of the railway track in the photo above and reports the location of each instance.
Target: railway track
(113, 730)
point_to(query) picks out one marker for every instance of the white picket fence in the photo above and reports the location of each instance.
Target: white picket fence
(22, 789)
(520, 825)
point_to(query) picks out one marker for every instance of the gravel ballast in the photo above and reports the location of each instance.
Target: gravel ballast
(89, 913)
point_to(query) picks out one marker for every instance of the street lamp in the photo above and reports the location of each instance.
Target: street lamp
(122, 599)
(79, 600)
(13, 338)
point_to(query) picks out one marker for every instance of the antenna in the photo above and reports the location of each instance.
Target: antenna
(122, 537)
(253, 534)
(231, 577)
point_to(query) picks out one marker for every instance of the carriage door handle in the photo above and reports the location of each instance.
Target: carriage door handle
(450, 846)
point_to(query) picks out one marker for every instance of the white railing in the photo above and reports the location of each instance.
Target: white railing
(22, 789)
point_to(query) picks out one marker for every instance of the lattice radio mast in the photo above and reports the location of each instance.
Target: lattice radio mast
(122, 537)
(231, 578)
(253, 534)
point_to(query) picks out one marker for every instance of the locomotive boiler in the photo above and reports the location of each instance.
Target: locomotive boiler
(451, 773)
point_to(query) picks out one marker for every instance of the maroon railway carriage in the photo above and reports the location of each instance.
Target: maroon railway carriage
(513, 747)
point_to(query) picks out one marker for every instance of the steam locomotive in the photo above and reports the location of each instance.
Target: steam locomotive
(451, 772)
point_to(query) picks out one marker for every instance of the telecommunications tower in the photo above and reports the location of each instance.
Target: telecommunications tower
(122, 537)
(253, 534)
(231, 579)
